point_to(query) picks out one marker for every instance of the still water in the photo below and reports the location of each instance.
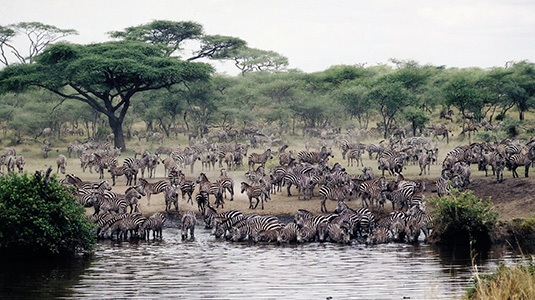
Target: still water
(206, 268)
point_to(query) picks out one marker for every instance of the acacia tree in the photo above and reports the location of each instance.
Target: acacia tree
(390, 97)
(38, 36)
(250, 59)
(173, 35)
(105, 76)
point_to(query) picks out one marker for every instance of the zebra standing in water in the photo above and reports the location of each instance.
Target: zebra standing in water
(189, 220)
(153, 188)
(154, 223)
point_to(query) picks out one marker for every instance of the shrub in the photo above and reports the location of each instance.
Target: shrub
(463, 218)
(40, 217)
(516, 282)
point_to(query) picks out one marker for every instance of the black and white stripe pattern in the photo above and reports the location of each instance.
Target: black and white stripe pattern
(153, 188)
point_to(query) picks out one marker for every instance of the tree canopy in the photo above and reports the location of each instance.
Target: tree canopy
(104, 75)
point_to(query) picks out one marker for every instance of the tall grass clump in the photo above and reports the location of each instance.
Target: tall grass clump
(462, 218)
(507, 282)
(39, 217)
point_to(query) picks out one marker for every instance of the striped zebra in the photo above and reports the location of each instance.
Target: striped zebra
(313, 157)
(224, 221)
(267, 236)
(304, 218)
(189, 220)
(209, 215)
(332, 193)
(226, 183)
(202, 201)
(418, 221)
(371, 190)
(257, 192)
(288, 234)
(61, 163)
(212, 188)
(372, 148)
(424, 161)
(170, 195)
(338, 233)
(396, 222)
(153, 188)
(306, 233)
(248, 228)
(256, 158)
(132, 163)
(379, 235)
(103, 162)
(360, 221)
(254, 176)
(116, 171)
(131, 196)
(129, 223)
(155, 223)
(520, 159)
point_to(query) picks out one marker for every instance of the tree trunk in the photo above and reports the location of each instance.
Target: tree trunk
(118, 136)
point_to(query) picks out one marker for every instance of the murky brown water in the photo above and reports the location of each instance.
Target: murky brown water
(207, 268)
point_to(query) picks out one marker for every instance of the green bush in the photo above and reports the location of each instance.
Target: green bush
(463, 218)
(39, 217)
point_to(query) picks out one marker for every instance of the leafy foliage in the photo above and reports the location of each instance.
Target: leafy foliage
(462, 217)
(40, 217)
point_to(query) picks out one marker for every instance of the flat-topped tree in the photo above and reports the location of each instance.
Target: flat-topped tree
(104, 75)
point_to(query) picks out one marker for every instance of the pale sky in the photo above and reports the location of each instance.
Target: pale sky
(317, 34)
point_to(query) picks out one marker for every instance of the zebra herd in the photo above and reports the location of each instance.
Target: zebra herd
(345, 225)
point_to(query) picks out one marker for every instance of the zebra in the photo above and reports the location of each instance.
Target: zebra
(131, 196)
(248, 228)
(171, 197)
(226, 183)
(267, 235)
(208, 215)
(189, 220)
(202, 201)
(132, 164)
(372, 148)
(211, 188)
(254, 176)
(371, 189)
(332, 193)
(224, 221)
(127, 223)
(519, 159)
(61, 162)
(103, 162)
(396, 222)
(116, 171)
(155, 223)
(288, 233)
(306, 233)
(256, 158)
(338, 233)
(417, 221)
(379, 235)
(360, 221)
(169, 165)
(425, 160)
(153, 188)
(147, 161)
(315, 157)
(256, 192)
